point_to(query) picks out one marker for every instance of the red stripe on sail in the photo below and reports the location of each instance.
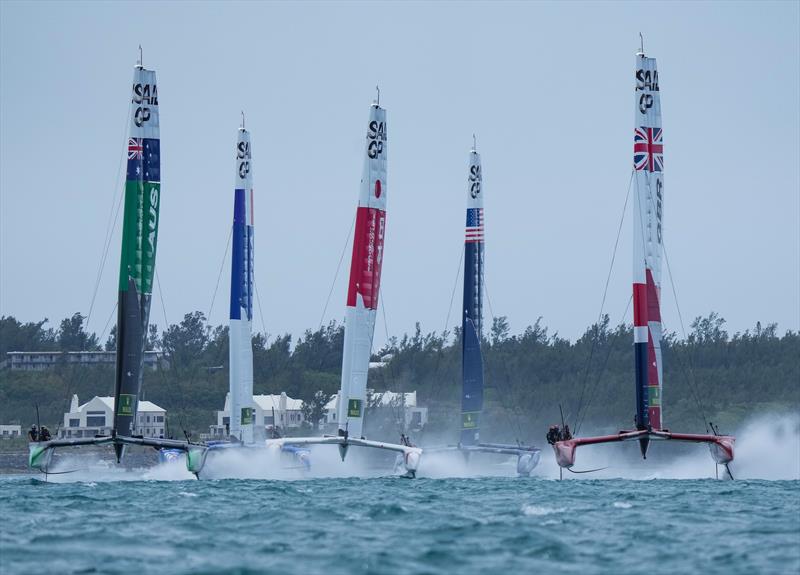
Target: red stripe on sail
(653, 299)
(365, 267)
(639, 305)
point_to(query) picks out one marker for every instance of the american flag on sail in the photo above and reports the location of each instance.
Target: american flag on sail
(648, 149)
(135, 148)
(474, 231)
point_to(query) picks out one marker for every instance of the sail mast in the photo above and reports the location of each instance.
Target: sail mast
(365, 277)
(241, 310)
(139, 241)
(472, 309)
(648, 161)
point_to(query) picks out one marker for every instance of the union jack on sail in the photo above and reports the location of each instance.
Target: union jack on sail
(648, 149)
(135, 148)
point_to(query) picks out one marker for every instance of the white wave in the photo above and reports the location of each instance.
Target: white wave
(537, 510)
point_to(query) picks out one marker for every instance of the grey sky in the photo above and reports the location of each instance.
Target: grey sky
(547, 88)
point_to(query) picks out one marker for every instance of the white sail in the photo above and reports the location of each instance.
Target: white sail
(365, 277)
(242, 408)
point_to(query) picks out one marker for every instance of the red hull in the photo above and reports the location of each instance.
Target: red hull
(721, 446)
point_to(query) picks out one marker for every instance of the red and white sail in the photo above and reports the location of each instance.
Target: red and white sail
(365, 276)
(648, 163)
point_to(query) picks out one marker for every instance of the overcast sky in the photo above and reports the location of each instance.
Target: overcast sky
(547, 88)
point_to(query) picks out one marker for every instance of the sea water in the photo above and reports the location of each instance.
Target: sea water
(395, 525)
(248, 514)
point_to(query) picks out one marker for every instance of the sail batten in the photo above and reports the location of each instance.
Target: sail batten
(472, 312)
(648, 164)
(242, 409)
(365, 276)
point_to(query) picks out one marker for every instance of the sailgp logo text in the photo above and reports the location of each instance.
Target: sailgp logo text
(475, 181)
(243, 155)
(144, 95)
(376, 134)
(646, 81)
(153, 223)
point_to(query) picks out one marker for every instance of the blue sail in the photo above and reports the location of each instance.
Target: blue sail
(472, 309)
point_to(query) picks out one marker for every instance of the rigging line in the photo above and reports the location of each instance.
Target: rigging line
(437, 388)
(691, 380)
(453, 294)
(261, 312)
(108, 321)
(515, 411)
(109, 225)
(173, 367)
(581, 418)
(698, 407)
(219, 275)
(401, 427)
(161, 297)
(603, 301)
(338, 267)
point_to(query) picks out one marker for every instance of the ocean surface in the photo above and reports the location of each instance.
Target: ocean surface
(394, 525)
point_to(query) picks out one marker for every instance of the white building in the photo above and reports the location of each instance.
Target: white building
(10, 431)
(96, 417)
(416, 416)
(40, 360)
(271, 410)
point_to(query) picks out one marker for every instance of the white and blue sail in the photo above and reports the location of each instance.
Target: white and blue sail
(242, 408)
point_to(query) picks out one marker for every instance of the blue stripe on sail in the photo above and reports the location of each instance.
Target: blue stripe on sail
(472, 362)
(241, 259)
(144, 159)
(642, 415)
(472, 389)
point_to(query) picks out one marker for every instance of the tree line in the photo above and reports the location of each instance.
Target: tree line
(531, 377)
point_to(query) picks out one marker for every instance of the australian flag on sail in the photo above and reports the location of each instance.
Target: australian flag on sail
(474, 230)
(648, 149)
(144, 159)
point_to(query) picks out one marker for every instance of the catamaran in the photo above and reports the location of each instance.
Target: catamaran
(137, 268)
(648, 209)
(471, 330)
(362, 305)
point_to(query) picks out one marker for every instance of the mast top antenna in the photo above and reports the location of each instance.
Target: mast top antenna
(474, 143)
(378, 97)
(242, 126)
(139, 63)
(641, 44)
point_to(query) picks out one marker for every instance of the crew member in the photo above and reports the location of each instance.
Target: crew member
(33, 434)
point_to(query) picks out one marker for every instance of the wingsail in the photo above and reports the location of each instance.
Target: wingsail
(472, 312)
(242, 409)
(365, 276)
(648, 216)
